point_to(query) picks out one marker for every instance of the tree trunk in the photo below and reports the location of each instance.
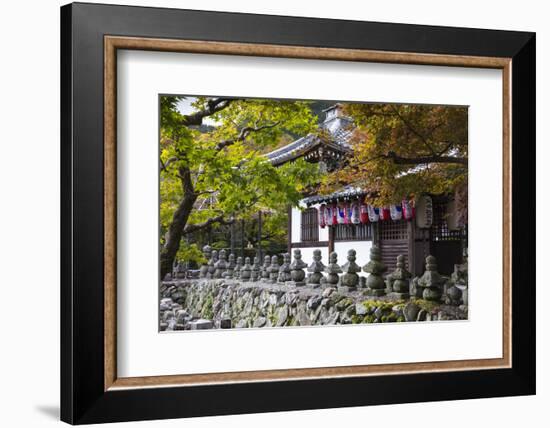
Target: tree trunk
(175, 232)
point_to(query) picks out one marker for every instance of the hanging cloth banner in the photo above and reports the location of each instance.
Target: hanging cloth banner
(396, 212)
(334, 214)
(408, 210)
(347, 213)
(341, 214)
(355, 216)
(322, 216)
(373, 213)
(364, 213)
(384, 213)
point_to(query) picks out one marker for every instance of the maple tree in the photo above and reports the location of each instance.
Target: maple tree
(403, 150)
(214, 173)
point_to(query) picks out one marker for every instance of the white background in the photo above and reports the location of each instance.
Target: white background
(29, 218)
(142, 350)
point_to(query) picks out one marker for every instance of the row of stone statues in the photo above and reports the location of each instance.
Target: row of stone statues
(430, 286)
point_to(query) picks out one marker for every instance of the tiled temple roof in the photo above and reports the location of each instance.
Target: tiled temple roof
(338, 128)
(346, 193)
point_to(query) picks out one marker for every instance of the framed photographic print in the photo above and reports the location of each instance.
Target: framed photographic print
(265, 213)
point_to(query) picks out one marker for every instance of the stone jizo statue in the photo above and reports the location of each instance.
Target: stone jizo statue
(264, 272)
(400, 278)
(350, 279)
(375, 282)
(297, 267)
(284, 270)
(230, 267)
(255, 271)
(333, 269)
(274, 270)
(212, 264)
(316, 268)
(220, 265)
(431, 281)
(246, 270)
(460, 280)
(207, 252)
(238, 267)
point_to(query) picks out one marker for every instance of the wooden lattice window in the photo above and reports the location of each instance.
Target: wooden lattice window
(353, 232)
(393, 230)
(310, 225)
(440, 230)
(394, 241)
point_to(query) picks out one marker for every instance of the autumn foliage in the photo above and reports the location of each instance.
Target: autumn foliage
(404, 150)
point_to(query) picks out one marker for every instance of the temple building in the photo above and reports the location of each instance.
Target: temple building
(344, 220)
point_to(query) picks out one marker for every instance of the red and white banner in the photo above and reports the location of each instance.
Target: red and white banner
(396, 212)
(322, 216)
(364, 213)
(374, 215)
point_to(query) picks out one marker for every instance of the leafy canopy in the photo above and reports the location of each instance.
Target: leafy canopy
(404, 150)
(224, 162)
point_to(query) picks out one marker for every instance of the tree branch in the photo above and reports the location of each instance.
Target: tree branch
(219, 219)
(213, 105)
(413, 129)
(164, 165)
(245, 132)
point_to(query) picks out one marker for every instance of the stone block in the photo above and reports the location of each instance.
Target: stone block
(201, 324)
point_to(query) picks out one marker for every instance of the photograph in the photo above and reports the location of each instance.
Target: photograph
(270, 214)
(291, 213)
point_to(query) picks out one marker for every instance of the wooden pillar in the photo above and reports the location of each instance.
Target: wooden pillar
(330, 239)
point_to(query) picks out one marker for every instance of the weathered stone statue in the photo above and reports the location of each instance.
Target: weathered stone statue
(230, 267)
(458, 292)
(431, 282)
(350, 279)
(274, 270)
(212, 264)
(238, 267)
(400, 279)
(246, 270)
(255, 272)
(220, 265)
(264, 271)
(316, 268)
(414, 289)
(375, 282)
(333, 269)
(454, 295)
(181, 270)
(207, 252)
(297, 267)
(284, 270)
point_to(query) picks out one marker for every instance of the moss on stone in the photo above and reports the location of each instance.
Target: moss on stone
(207, 307)
(344, 303)
(369, 318)
(427, 305)
(391, 317)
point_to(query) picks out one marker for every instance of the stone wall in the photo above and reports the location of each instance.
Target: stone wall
(226, 303)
